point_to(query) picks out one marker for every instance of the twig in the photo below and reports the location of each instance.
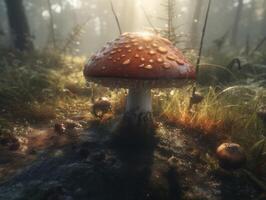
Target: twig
(202, 37)
(148, 19)
(201, 43)
(116, 18)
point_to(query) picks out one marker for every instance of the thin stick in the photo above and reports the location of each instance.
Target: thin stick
(148, 19)
(202, 40)
(203, 37)
(116, 18)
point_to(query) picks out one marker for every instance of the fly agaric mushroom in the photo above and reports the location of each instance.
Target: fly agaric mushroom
(231, 156)
(139, 62)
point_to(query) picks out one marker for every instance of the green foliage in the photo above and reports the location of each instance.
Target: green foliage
(33, 85)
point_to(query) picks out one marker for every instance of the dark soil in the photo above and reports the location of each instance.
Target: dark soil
(91, 166)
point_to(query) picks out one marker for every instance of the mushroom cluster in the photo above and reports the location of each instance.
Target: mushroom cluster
(139, 62)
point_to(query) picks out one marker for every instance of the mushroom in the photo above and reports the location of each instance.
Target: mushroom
(101, 107)
(139, 62)
(231, 156)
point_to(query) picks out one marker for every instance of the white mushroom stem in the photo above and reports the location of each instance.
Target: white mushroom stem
(139, 100)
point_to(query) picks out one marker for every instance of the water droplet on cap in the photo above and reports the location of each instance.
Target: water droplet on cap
(151, 61)
(140, 48)
(142, 65)
(137, 56)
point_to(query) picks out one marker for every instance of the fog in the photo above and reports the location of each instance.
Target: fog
(134, 15)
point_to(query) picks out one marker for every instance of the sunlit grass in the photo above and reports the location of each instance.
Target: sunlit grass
(229, 114)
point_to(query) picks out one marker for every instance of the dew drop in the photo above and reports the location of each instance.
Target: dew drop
(140, 48)
(162, 50)
(103, 67)
(129, 50)
(151, 61)
(119, 50)
(142, 59)
(128, 46)
(113, 52)
(137, 56)
(123, 55)
(148, 67)
(135, 44)
(126, 62)
(142, 65)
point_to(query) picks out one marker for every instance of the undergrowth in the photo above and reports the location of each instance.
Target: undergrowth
(46, 86)
(39, 87)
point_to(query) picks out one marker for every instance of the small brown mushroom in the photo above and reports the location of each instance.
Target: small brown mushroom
(231, 156)
(101, 107)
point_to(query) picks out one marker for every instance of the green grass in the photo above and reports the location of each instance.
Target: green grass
(39, 87)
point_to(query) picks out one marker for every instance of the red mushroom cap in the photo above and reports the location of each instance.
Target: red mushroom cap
(139, 56)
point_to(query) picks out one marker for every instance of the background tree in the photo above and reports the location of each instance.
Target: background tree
(235, 29)
(18, 24)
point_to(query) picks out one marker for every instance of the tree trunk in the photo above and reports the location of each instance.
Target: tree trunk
(263, 29)
(235, 29)
(195, 23)
(19, 27)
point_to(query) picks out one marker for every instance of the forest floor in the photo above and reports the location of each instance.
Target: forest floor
(82, 164)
